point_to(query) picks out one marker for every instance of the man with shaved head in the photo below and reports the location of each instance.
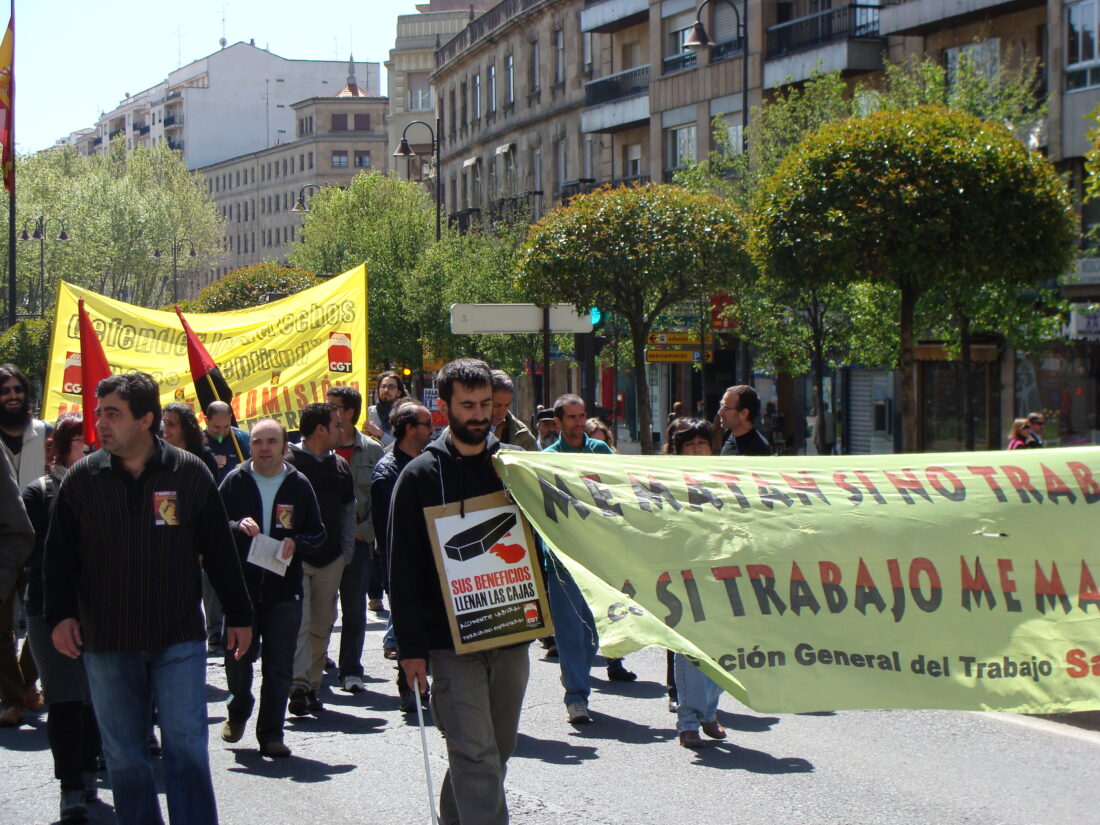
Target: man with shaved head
(219, 436)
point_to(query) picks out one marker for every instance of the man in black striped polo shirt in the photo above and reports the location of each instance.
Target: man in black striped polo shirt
(133, 526)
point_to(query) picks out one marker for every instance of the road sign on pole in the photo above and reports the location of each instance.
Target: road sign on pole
(471, 319)
(678, 356)
(682, 339)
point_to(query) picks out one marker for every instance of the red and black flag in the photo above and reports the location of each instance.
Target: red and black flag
(93, 369)
(210, 386)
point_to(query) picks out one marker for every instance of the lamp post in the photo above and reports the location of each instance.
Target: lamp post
(403, 150)
(302, 205)
(177, 247)
(698, 41)
(41, 224)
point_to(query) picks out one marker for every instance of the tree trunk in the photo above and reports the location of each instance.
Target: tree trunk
(909, 426)
(967, 383)
(638, 332)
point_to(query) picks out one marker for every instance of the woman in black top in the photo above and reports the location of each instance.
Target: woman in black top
(70, 723)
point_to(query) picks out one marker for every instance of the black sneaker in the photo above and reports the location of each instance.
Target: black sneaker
(313, 703)
(407, 703)
(616, 672)
(299, 703)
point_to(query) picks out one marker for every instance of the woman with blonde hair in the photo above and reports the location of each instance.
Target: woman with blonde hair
(1021, 438)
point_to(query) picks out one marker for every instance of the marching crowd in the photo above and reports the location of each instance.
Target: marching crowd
(111, 552)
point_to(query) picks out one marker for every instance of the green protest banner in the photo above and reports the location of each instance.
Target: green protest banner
(959, 580)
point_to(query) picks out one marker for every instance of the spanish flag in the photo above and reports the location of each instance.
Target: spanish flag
(7, 104)
(93, 369)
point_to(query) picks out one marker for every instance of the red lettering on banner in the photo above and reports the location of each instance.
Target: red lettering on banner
(1083, 475)
(1021, 483)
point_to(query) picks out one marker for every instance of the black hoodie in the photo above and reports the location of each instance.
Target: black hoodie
(439, 475)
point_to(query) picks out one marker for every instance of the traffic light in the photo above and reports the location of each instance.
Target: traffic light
(406, 372)
(596, 315)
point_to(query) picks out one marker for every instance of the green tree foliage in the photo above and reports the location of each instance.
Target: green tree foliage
(387, 223)
(27, 345)
(634, 252)
(926, 201)
(251, 286)
(478, 267)
(117, 209)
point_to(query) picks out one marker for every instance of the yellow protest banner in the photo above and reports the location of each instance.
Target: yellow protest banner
(958, 580)
(277, 357)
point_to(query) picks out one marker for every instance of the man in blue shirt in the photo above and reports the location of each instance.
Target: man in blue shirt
(574, 627)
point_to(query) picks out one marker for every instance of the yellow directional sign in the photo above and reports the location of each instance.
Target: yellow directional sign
(682, 339)
(678, 356)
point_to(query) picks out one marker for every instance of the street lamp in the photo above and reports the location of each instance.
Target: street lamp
(698, 41)
(403, 150)
(177, 247)
(301, 205)
(41, 224)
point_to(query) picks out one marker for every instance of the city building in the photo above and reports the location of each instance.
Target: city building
(333, 139)
(243, 85)
(544, 99)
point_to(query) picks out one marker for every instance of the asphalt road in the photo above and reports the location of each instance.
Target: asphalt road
(360, 761)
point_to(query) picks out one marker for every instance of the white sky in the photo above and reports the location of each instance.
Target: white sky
(75, 58)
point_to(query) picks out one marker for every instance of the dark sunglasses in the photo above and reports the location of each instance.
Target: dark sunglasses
(18, 390)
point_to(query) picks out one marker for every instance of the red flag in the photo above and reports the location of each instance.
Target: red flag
(93, 369)
(210, 386)
(7, 104)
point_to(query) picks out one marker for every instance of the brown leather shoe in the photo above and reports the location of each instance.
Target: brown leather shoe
(32, 700)
(714, 729)
(11, 717)
(691, 739)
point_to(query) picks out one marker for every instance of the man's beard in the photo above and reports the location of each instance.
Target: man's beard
(467, 436)
(19, 417)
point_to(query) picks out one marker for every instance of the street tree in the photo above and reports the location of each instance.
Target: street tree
(925, 201)
(251, 286)
(634, 252)
(117, 209)
(387, 223)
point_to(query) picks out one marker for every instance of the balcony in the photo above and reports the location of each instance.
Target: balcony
(570, 189)
(172, 121)
(612, 15)
(844, 39)
(465, 220)
(918, 17)
(482, 27)
(173, 95)
(727, 50)
(97, 140)
(678, 62)
(116, 133)
(616, 102)
(175, 145)
(516, 209)
(142, 129)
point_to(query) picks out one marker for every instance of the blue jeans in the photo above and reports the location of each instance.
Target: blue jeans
(353, 611)
(574, 630)
(276, 625)
(124, 688)
(697, 693)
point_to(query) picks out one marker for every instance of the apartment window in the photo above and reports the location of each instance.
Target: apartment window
(510, 172)
(475, 186)
(560, 158)
(734, 134)
(475, 97)
(982, 58)
(463, 117)
(310, 156)
(284, 168)
(292, 165)
(509, 79)
(301, 163)
(420, 93)
(339, 159)
(632, 160)
(676, 57)
(362, 123)
(559, 56)
(491, 88)
(238, 178)
(339, 123)
(533, 75)
(586, 52)
(679, 147)
(362, 160)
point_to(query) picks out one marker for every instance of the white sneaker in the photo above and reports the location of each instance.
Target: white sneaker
(578, 713)
(352, 684)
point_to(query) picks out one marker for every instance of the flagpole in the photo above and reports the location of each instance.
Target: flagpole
(11, 194)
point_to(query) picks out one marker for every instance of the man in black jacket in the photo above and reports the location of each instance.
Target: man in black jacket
(739, 411)
(322, 432)
(476, 697)
(411, 424)
(131, 526)
(267, 496)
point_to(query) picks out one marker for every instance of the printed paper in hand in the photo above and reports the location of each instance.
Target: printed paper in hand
(265, 552)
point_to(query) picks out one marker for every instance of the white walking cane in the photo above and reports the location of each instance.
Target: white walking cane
(424, 747)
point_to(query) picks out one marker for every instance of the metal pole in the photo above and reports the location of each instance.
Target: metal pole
(546, 356)
(175, 265)
(41, 269)
(438, 176)
(11, 247)
(744, 78)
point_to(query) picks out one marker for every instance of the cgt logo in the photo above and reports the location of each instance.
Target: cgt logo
(73, 375)
(339, 352)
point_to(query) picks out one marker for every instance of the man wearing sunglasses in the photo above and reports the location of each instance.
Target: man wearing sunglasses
(739, 410)
(25, 440)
